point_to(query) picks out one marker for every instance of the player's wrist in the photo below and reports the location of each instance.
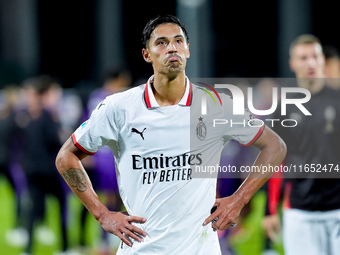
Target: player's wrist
(100, 215)
(242, 197)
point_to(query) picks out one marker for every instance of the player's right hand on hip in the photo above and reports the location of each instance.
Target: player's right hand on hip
(119, 224)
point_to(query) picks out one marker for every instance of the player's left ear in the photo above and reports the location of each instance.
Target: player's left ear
(146, 55)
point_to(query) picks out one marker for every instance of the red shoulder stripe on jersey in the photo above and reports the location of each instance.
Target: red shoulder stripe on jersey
(79, 146)
(146, 95)
(188, 103)
(255, 137)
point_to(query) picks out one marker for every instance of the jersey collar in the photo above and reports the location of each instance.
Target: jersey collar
(150, 100)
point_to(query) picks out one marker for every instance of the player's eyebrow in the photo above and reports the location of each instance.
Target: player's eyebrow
(164, 37)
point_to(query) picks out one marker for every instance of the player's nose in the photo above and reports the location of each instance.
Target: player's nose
(172, 48)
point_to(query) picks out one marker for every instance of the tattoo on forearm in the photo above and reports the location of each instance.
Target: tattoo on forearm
(75, 178)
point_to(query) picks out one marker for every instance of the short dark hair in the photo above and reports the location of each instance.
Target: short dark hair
(159, 20)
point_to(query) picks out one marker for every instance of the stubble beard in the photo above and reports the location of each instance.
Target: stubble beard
(175, 68)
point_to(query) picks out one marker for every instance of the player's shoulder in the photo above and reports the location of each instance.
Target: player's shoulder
(128, 96)
(221, 95)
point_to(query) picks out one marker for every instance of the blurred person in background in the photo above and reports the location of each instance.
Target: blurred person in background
(69, 110)
(102, 166)
(266, 90)
(311, 202)
(332, 66)
(40, 144)
(9, 166)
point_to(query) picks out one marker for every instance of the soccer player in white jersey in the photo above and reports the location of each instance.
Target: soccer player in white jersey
(149, 132)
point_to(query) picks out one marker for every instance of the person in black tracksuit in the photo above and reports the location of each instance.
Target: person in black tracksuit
(8, 131)
(40, 144)
(311, 221)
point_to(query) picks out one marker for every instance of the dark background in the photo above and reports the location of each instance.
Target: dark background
(245, 41)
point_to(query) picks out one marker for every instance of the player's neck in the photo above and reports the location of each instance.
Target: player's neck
(168, 91)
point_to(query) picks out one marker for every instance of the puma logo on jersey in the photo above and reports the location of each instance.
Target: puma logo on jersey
(101, 104)
(138, 132)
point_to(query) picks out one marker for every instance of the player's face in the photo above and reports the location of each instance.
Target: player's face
(307, 61)
(167, 50)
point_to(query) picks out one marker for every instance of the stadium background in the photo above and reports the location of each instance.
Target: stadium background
(76, 40)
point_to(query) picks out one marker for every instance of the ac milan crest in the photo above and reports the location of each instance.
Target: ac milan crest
(201, 129)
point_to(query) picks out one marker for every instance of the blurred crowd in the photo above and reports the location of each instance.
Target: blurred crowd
(36, 118)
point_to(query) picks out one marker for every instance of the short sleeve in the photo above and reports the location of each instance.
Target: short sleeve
(243, 128)
(98, 130)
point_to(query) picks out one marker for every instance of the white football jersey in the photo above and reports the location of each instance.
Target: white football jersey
(158, 151)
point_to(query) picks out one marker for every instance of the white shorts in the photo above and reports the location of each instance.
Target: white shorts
(312, 233)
